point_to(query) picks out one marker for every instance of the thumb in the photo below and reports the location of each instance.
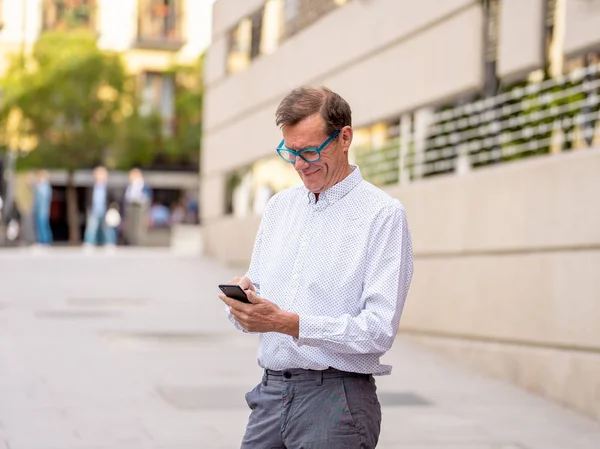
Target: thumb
(252, 297)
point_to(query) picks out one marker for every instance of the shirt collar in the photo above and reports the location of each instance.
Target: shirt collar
(337, 191)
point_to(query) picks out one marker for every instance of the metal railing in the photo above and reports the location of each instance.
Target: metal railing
(552, 116)
(380, 166)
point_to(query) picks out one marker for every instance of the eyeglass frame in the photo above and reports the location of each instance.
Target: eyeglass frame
(281, 148)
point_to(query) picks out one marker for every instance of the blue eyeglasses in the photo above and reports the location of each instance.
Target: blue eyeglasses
(308, 154)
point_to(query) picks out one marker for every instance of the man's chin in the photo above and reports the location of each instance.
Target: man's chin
(313, 188)
(312, 182)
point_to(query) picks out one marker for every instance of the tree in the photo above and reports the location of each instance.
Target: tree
(69, 97)
(147, 141)
(74, 107)
(185, 142)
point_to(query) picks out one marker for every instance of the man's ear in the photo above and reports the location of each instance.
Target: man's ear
(346, 135)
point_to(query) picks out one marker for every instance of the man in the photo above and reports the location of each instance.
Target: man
(329, 274)
(137, 200)
(41, 208)
(96, 229)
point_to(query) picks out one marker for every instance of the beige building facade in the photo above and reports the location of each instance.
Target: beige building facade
(179, 28)
(482, 118)
(152, 35)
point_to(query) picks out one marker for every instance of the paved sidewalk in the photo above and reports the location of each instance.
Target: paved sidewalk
(132, 350)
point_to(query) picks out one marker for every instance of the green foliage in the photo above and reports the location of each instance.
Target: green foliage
(541, 114)
(144, 140)
(380, 165)
(73, 14)
(184, 144)
(534, 119)
(79, 107)
(137, 142)
(68, 95)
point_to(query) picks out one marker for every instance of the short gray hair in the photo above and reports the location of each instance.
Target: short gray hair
(305, 101)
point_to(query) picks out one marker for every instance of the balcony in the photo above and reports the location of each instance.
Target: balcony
(160, 25)
(61, 15)
(526, 120)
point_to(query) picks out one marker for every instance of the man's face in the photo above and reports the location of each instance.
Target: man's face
(134, 175)
(100, 174)
(43, 176)
(331, 168)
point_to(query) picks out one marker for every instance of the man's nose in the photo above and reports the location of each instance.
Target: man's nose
(300, 164)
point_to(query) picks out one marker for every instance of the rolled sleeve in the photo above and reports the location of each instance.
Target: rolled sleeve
(387, 280)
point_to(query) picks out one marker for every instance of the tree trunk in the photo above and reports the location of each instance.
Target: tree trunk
(72, 210)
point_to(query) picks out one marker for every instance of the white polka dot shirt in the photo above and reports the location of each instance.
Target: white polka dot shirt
(344, 265)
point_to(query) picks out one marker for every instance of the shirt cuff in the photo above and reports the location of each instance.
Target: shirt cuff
(311, 330)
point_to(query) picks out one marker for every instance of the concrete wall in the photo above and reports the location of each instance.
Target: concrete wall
(117, 30)
(507, 271)
(227, 13)
(582, 25)
(197, 28)
(117, 22)
(230, 240)
(22, 20)
(507, 258)
(521, 33)
(405, 56)
(299, 60)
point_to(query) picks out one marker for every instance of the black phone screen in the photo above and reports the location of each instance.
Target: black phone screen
(234, 291)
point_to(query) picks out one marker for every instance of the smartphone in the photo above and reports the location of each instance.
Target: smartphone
(234, 291)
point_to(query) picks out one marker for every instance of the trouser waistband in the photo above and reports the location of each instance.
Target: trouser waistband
(302, 375)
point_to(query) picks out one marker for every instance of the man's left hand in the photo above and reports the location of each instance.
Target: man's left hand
(262, 315)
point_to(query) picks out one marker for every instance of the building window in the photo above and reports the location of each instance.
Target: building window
(300, 14)
(554, 30)
(159, 23)
(245, 42)
(240, 39)
(262, 32)
(68, 14)
(248, 189)
(291, 17)
(158, 97)
(256, 36)
(272, 26)
(491, 10)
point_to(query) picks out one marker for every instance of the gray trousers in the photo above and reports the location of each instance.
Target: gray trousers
(304, 409)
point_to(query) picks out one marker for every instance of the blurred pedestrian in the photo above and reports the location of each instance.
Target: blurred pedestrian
(96, 229)
(136, 206)
(41, 208)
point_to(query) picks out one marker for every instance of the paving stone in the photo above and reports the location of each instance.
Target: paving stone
(133, 351)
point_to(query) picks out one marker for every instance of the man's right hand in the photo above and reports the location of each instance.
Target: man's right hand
(243, 282)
